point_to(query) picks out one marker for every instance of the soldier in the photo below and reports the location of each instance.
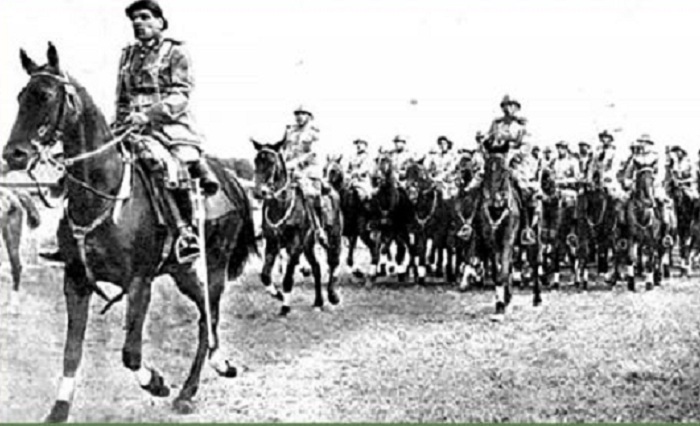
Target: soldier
(153, 90)
(547, 157)
(300, 156)
(400, 157)
(645, 158)
(566, 173)
(683, 173)
(442, 164)
(359, 170)
(584, 157)
(603, 170)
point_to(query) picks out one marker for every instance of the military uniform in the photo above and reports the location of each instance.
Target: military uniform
(301, 158)
(359, 171)
(400, 158)
(684, 174)
(605, 165)
(442, 167)
(566, 176)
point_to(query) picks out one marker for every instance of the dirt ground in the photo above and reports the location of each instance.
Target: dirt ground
(387, 353)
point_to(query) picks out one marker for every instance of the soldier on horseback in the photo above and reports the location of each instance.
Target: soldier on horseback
(603, 171)
(682, 173)
(301, 159)
(566, 173)
(400, 157)
(359, 170)
(442, 164)
(647, 159)
(505, 139)
(584, 157)
(154, 85)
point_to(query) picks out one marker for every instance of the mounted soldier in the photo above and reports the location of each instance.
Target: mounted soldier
(566, 173)
(442, 164)
(299, 153)
(603, 171)
(400, 156)
(505, 139)
(584, 156)
(645, 158)
(682, 173)
(359, 169)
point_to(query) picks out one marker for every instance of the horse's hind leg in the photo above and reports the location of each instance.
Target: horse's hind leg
(77, 304)
(315, 272)
(333, 260)
(137, 307)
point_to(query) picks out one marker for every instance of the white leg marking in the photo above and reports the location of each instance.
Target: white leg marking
(286, 297)
(143, 375)
(66, 389)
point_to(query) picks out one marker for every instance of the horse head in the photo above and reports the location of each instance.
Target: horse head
(270, 170)
(417, 179)
(333, 171)
(644, 185)
(497, 187)
(50, 107)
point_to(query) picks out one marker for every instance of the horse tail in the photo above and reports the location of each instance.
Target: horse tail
(33, 217)
(245, 245)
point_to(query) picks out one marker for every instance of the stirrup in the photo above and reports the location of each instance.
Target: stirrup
(667, 241)
(187, 247)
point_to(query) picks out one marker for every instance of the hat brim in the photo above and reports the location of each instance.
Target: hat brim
(301, 112)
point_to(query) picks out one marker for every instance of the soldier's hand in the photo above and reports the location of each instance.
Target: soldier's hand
(137, 118)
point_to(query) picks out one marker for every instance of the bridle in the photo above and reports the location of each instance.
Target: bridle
(270, 183)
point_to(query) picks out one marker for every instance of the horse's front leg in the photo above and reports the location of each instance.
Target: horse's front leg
(12, 234)
(77, 308)
(272, 250)
(295, 251)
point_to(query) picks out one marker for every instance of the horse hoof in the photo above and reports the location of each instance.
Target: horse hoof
(184, 406)
(59, 412)
(649, 285)
(537, 302)
(285, 311)
(333, 298)
(630, 284)
(156, 386)
(305, 271)
(318, 308)
(498, 317)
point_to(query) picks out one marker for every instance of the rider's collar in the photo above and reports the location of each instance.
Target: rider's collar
(151, 44)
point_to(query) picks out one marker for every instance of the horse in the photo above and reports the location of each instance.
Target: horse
(688, 214)
(600, 232)
(112, 231)
(499, 220)
(356, 212)
(13, 207)
(287, 223)
(644, 219)
(560, 233)
(391, 214)
(431, 222)
(461, 234)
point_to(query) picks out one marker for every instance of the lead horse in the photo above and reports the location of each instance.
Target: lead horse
(498, 220)
(118, 239)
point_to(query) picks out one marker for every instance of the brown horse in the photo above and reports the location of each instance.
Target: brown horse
(287, 224)
(13, 205)
(111, 230)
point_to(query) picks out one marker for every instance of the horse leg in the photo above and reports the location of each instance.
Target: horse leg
(188, 283)
(632, 258)
(77, 308)
(535, 275)
(333, 260)
(217, 282)
(500, 278)
(12, 234)
(438, 247)
(420, 254)
(352, 242)
(310, 255)
(649, 265)
(272, 250)
(288, 281)
(137, 308)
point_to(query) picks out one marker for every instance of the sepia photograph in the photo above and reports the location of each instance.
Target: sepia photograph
(349, 211)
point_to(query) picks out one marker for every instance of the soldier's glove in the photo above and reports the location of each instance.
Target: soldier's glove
(138, 118)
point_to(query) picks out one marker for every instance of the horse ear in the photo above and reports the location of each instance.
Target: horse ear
(258, 146)
(339, 159)
(52, 55)
(421, 160)
(27, 63)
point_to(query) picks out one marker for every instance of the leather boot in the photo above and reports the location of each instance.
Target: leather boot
(316, 212)
(208, 181)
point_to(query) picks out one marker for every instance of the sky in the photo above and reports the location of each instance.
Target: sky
(372, 69)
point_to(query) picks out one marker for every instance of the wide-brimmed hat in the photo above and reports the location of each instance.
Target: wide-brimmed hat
(507, 100)
(301, 109)
(564, 144)
(151, 5)
(605, 135)
(360, 142)
(645, 139)
(677, 148)
(584, 143)
(444, 139)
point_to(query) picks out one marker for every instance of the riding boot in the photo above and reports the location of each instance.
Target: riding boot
(208, 181)
(315, 209)
(187, 247)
